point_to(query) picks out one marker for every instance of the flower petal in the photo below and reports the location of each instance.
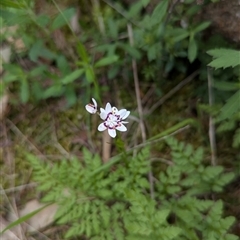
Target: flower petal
(108, 108)
(103, 114)
(126, 115)
(91, 108)
(122, 113)
(94, 102)
(112, 133)
(101, 127)
(121, 128)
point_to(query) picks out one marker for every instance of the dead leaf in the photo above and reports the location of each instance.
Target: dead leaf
(41, 219)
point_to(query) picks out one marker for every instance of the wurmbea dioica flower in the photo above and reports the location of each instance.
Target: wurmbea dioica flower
(92, 108)
(112, 118)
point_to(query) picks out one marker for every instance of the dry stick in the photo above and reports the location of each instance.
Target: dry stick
(121, 12)
(139, 104)
(171, 8)
(106, 148)
(106, 139)
(12, 202)
(173, 91)
(18, 188)
(17, 131)
(211, 131)
(61, 149)
(14, 215)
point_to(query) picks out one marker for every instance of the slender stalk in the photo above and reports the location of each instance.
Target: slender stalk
(173, 91)
(139, 105)
(106, 147)
(211, 131)
(182, 126)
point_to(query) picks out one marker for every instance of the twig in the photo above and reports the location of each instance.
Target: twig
(17, 131)
(139, 105)
(171, 8)
(61, 149)
(117, 158)
(18, 188)
(136, 84)
(120, 12)
(160, 138)
(211, 131)
(168, 162)
(18, 232)
(173, 91)
(148, 95)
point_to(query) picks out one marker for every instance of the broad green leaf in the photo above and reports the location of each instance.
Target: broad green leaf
(13, 17)
(135, 9)
(152, 53)
(145, 2)
(70, 95)
(63, 18)
(230, 236)
(130, 50)
(106, 61)
(37, 90)
(24, 90)
(8, 77)
(113, 71)
(63, 65)
(24, 218)
(223, 58)
(192, 10)
(38, 71)
(11, 4)
(160, 11)
(180, 37)
(232, 106)
(82, 52)
(236, 138)
(201, 27)
(89, 74)
(113, 28)
(192, 50)
(226, 86)
(39, 50)
(14, 69)
(53, 91)
(35, 50)
(43, 20)
(72, 76)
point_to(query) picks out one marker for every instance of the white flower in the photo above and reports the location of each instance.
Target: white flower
(113, 120)
(92, 108)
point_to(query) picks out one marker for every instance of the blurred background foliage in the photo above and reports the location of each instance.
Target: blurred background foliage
(62, 53)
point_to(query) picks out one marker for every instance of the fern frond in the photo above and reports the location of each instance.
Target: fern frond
(224, 58)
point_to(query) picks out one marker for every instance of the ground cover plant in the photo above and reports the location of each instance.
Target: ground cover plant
(111, 114)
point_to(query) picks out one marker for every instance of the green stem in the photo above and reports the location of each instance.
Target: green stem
(159, 137)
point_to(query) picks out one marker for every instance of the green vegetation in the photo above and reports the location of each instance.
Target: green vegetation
(142, 55)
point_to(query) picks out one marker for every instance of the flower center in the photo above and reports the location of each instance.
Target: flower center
(112, 121)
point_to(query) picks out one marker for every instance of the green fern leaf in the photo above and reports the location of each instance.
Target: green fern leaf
(232, 106)
(224, 58)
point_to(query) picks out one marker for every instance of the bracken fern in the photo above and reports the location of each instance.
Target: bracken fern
(115, 203)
